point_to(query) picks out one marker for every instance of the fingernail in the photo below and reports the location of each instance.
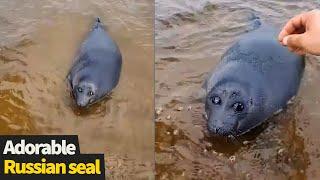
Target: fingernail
(285, 41)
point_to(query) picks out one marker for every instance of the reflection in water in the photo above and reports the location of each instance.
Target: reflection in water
(191, 36)
(39, 41)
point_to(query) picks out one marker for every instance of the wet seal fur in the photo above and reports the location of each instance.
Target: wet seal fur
(97, 68)
(255, 79)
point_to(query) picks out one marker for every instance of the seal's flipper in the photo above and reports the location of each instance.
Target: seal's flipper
(255, 23)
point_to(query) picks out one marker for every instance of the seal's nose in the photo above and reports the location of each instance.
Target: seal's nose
(220, 129)
(81, 104)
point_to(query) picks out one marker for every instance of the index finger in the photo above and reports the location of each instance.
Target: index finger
(292, 25)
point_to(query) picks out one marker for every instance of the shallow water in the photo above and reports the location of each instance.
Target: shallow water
(191, 36)
(39, 40)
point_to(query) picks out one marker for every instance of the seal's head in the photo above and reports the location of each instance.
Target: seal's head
(231, 109)
(85, 94)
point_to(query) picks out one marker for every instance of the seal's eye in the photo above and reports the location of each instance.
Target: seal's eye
(79, 89)
(238, 107)
(216, 100)
(90, 93)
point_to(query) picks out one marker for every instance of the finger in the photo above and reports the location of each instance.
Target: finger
(294, 41)
(300, 52)
(285, 41)
(296, 51)
(291, 49)
(294, 24)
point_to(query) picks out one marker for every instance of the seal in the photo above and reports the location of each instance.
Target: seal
(255, 79)
(96, 70)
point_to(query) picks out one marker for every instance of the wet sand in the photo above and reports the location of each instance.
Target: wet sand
(39, 41)
(191, 36)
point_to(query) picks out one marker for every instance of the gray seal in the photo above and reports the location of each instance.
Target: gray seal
(97, 68)
(255, 79)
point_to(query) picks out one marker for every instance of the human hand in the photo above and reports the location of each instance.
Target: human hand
(301, 34)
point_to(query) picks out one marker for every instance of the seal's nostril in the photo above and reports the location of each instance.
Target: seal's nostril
(218, 130)
(230, 136)
(215, 130)
(81, 104)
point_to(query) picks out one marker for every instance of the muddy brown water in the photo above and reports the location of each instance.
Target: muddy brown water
(39, 40)
(191, 36)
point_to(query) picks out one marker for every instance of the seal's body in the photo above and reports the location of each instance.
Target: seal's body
(255, 79)
(97, 68)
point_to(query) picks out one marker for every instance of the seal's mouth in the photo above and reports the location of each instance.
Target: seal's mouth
(77, 104)
(91, 102)
(83, 106)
